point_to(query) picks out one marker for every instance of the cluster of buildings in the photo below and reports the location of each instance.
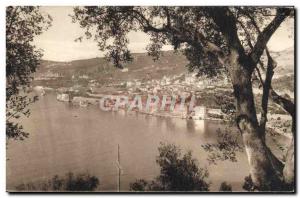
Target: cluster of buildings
(184, 85)
(48, 75)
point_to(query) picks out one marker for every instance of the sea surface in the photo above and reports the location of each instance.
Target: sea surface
(64, 137)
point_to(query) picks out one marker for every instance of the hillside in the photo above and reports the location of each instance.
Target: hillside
(66, 74)
(99, 69)
(284, 77)
(285, 61)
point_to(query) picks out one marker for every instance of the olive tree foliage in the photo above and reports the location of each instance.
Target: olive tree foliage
(69, 182)
(109, 27)
(214, 40)
(23, 23)
(178, 172)
(225, 147)
(224, 187)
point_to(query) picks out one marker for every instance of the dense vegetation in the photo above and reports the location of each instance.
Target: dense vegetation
(23, 23)
(70, 182)
(178, 172)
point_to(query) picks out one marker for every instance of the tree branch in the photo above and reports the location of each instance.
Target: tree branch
(181, 36)
(266, 90)
(266, 34)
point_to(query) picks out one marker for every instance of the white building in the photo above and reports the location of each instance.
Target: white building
(124, 70)
(63, 97)
(200, 113)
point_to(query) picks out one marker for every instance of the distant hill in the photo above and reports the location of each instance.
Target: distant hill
(285, 61)
(143, 67)
(284, 77)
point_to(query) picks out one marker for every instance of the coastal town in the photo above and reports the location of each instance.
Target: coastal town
(186, 85)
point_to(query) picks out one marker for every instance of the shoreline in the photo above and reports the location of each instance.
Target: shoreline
(94, 100)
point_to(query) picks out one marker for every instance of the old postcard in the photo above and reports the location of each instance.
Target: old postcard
(150, 99)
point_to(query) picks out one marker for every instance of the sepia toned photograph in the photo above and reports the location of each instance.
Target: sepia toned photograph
(150, 99)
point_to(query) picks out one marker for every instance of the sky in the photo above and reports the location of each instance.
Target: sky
(58, 41)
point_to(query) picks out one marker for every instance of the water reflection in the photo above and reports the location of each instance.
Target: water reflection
(190, 125)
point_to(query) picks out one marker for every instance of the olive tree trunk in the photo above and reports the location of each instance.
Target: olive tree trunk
(263, 170)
